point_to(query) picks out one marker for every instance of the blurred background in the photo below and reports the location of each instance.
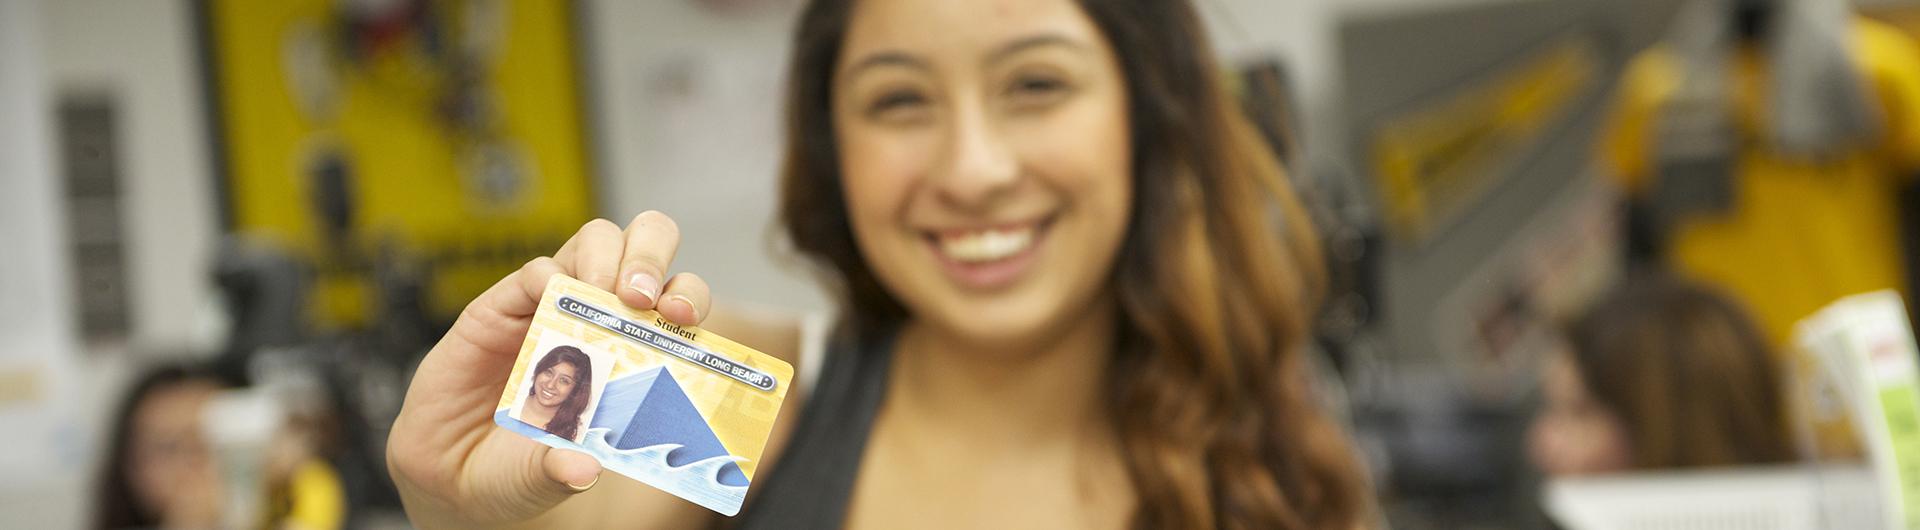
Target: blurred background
(288, 202)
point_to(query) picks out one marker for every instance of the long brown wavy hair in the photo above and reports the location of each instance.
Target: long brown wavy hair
(1207, 387)
(566, 418)
(1690, 376)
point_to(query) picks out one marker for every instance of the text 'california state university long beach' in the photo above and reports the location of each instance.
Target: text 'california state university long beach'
(669, 343)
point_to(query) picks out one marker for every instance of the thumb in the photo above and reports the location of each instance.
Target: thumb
(571, 471)
(508, 478)
(551, 477)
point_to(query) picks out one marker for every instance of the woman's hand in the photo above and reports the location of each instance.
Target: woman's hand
(453, 466)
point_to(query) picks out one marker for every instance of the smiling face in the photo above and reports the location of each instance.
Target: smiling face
(985, 152)
(552, 386)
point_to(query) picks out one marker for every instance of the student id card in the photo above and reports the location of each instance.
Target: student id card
(675, 407)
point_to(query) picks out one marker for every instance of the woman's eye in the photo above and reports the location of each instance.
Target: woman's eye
(1039, 85)
(895, 103)
(1034, 90)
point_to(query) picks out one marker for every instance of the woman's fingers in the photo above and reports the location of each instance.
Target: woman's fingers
(595, 253)
(632, 263)
(686, 299)
(652, 239)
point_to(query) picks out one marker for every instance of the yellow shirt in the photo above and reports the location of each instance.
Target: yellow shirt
(1800, 234)
(316, 498)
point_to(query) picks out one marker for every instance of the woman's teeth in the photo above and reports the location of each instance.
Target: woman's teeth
(547, 394)
(986, 245)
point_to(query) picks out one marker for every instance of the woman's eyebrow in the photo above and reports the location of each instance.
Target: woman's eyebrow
(1034, 41)
(885, 58)
(904, 59)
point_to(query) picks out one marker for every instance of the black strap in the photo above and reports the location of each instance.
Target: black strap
(812, 484)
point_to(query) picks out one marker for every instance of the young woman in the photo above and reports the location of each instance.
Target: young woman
(159, 472)
(1074, 284)
(1664, 374)
(562, 385)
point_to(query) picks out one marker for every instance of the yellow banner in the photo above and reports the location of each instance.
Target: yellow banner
(445, 134)
(1431, 162)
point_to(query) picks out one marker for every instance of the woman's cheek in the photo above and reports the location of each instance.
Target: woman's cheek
(1084, 152)
(881, 175)
(882, 170)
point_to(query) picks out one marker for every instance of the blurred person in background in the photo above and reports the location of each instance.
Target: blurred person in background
(1764, 145)
(162, 472)
(1663, 374)
(1075, 285)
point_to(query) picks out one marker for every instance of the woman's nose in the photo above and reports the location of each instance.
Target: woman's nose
(979, 166)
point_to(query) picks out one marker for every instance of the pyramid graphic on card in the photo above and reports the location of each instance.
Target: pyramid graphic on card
(649, 409)
(675, 407)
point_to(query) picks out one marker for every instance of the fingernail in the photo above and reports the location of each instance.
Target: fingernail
(644, 284)
(577, 488)
(690, 307)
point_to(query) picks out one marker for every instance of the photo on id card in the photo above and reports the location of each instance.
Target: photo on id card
(677, 408)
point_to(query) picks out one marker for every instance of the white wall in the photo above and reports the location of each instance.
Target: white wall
(142, 55)
(688, 107)
(38, 475)
(690, 116)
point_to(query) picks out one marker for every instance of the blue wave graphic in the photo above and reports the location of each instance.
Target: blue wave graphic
(599, 442)
(698, 481)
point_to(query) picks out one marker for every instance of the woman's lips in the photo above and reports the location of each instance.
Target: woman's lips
(988, 258)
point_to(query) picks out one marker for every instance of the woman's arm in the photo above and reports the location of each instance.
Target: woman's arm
(455, 469)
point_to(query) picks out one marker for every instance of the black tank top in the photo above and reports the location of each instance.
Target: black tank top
(812, 484)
